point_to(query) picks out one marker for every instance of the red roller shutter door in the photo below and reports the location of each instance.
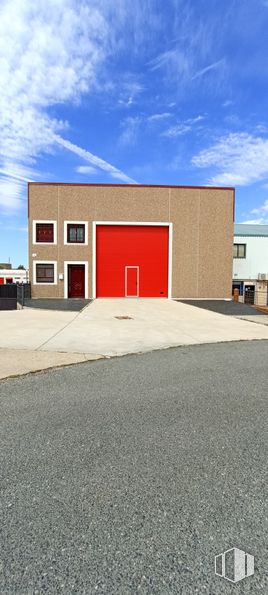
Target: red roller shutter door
(132, 260)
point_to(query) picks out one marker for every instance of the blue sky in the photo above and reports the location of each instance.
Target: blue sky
(147, 91)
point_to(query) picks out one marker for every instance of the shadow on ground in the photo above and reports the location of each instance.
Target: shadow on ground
(230, 308)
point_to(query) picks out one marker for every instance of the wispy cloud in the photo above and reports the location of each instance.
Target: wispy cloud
(96, 161)
(130, 130)
(13, 180)
(50, 54)
(174, 58)
(261, 215)
(259, 221)
(241, 158)
(263, 209)
(130, 91)
(182, 128)
(132, 126)
(213, 66)
(11, 192)
(159, 117)
(193, 52)
(227, 103)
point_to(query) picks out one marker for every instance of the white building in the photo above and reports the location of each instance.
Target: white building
(250, 270)
(13, 276)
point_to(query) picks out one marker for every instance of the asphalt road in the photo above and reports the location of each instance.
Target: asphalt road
(227, 307)
(128, 475)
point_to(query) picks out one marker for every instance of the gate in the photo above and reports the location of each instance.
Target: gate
(8, 296)
(12, 293)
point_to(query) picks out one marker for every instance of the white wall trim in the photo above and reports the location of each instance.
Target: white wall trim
(85, 243)
(66, 263)
(94, 264)
(147, 223)
(138, 280)
(35, 262)
(160, 223)
(170, 244)
(55, 232)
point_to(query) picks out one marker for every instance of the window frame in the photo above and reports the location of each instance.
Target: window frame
(237, 244)
(66, 223)
(75, 226)
(43, 262)
(43, 221)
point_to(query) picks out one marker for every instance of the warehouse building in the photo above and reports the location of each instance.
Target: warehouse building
(92, 240)
(250, 272)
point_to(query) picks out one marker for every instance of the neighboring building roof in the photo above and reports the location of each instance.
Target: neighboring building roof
(247, 229)
(5, 265)
(13, 272)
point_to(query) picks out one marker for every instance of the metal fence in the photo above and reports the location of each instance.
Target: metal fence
(8, 297)
(23, 293)
(254, 297)
(12, 294)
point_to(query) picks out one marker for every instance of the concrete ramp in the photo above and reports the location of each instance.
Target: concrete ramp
(121, 326)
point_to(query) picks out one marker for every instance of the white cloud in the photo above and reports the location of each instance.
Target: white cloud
(262, 209)
(130, 90)
(215, 65)
(177, 130)
(172, 58)
(195, 43)
(50, 53)
(18, 172)
(159, 117)
(262, 214)
(96, 161)
(10, 193)
(86, 169)
(131, 127)
(260, 221)
(182, 127)
(241, 158)
(227, 103)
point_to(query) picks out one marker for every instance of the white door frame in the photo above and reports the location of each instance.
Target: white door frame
(152, 223)
(138, 280)
(66, 263)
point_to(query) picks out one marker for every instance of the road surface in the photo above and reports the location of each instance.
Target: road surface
(128, 475)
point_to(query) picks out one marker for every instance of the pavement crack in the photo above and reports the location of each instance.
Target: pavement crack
(58, 332)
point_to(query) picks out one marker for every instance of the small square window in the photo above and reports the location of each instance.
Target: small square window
(45, 233)
(76, 233)
(45, 273)
(239, 250)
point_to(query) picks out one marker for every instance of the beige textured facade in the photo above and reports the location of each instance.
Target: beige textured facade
(202, 232)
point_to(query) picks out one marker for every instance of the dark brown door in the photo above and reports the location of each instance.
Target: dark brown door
(76, 280)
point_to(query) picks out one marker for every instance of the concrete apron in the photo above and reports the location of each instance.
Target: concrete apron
(33, 340)
(18, 362)
(120, 326)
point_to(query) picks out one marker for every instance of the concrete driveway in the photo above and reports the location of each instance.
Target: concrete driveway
(119, 326)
